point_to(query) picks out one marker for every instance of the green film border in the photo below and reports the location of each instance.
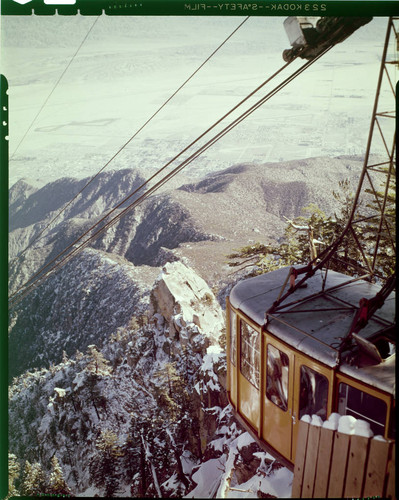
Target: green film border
(134, 8)
(201, 8)
(3, 286)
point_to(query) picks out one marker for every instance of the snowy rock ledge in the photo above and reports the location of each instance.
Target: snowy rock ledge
(183, 298)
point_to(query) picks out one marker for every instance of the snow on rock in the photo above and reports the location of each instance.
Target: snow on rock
(347, 424)
(316, 420)
(211, 381)
(214, 349)
(276, 485)
(332, 422)
(244, 470)
(207, 478)
(182, 298)
(188, 462)
(362, 428)
(67, 407)
(79, 380)
(213, 377)
(60, 392)
(172, 486)
(245, 440)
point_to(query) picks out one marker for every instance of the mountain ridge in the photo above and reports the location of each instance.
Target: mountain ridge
(198, 224)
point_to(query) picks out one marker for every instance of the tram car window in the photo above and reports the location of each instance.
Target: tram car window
(313, 393)
(362, 406)
(233, 337)
(277, 377)
(250, 355)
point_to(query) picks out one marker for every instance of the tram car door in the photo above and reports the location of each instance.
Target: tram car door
(278, 409)
(313, 391)
(294, 386)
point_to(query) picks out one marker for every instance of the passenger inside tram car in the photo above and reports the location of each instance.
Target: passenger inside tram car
(313, 393)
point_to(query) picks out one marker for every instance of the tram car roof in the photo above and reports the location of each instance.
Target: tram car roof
(325, 319)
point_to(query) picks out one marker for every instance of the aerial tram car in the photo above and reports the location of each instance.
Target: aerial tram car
(297, 361)
(316, 344)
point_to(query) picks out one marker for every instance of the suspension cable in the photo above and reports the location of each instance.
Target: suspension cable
(160, 170)
(329, 251)
(37, 237)
(40, 275)
(155, 174)
(55, 86)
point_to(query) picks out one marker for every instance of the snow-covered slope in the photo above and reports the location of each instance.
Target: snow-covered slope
(89, 299)
(144, 416)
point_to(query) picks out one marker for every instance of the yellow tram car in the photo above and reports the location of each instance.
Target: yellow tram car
(299, 360)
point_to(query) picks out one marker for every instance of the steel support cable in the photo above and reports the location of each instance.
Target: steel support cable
(326, 255)
(326, 291)
(319, 261)
(158, 172)
(159, 184)
(131, 138)
(55, 86)
(328, 252)
(39, 276)
(359, 246)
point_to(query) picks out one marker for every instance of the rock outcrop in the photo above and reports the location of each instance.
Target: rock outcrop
(182, 297)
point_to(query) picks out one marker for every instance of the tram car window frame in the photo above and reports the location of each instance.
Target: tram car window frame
(277, 377)
(250, 353)
(233, 337)
(364, 406)
(313, 393)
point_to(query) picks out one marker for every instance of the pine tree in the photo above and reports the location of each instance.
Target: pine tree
(360, 241)
(13, 475)
(131, 452)
(70, 458)
(78, 355)
(34, 480)
(303, 236)
(170, 390)
(57, 484)
(97, 364)
(96, 368)
(104, 466)
(174, 414)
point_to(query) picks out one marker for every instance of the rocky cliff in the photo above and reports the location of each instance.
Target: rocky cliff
(147, 414)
